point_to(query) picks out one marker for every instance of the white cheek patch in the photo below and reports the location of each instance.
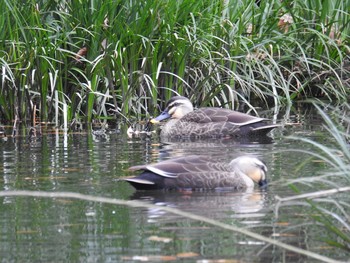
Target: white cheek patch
(177, 114)
(171, 111)
(256, 175)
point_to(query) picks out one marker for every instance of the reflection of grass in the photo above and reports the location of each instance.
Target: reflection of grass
(329, 207)
(97, 59)
(136, 203)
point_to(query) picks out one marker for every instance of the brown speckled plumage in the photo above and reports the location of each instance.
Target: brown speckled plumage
(198, 172)
(209, 122)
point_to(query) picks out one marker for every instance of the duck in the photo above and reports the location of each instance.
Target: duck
(199, 172)
(209, 122)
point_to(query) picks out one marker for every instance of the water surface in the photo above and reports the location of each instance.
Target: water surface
(67, 230)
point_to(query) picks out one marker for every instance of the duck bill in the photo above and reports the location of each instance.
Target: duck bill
(163, 116)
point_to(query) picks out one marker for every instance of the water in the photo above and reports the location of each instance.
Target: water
(69, 230)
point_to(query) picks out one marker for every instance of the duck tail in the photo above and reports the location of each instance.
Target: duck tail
(264, 130)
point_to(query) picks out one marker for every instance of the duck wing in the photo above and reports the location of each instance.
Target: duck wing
(215, 115)
(172, 168)
(218, 122)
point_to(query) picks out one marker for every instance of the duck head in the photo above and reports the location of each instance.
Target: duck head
(176, 108)
(252, 167)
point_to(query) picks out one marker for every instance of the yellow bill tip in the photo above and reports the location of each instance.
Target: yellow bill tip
(153, 121)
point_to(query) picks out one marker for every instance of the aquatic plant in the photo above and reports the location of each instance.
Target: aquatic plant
(63, 61)
(326, 195)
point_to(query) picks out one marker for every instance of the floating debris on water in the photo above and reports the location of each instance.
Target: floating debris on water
(131, 132)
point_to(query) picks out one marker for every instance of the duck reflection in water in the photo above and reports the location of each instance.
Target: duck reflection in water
(243, 203)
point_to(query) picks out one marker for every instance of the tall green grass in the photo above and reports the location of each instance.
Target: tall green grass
(140, 53)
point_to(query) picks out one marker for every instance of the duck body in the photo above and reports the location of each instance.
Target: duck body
(209, 122)
(198, 172)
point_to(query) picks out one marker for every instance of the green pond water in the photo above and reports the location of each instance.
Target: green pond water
(35, 229)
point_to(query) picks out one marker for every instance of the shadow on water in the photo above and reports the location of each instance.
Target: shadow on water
(215, 148)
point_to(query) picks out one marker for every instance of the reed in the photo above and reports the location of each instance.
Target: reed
(123, 59)
(326, 199)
